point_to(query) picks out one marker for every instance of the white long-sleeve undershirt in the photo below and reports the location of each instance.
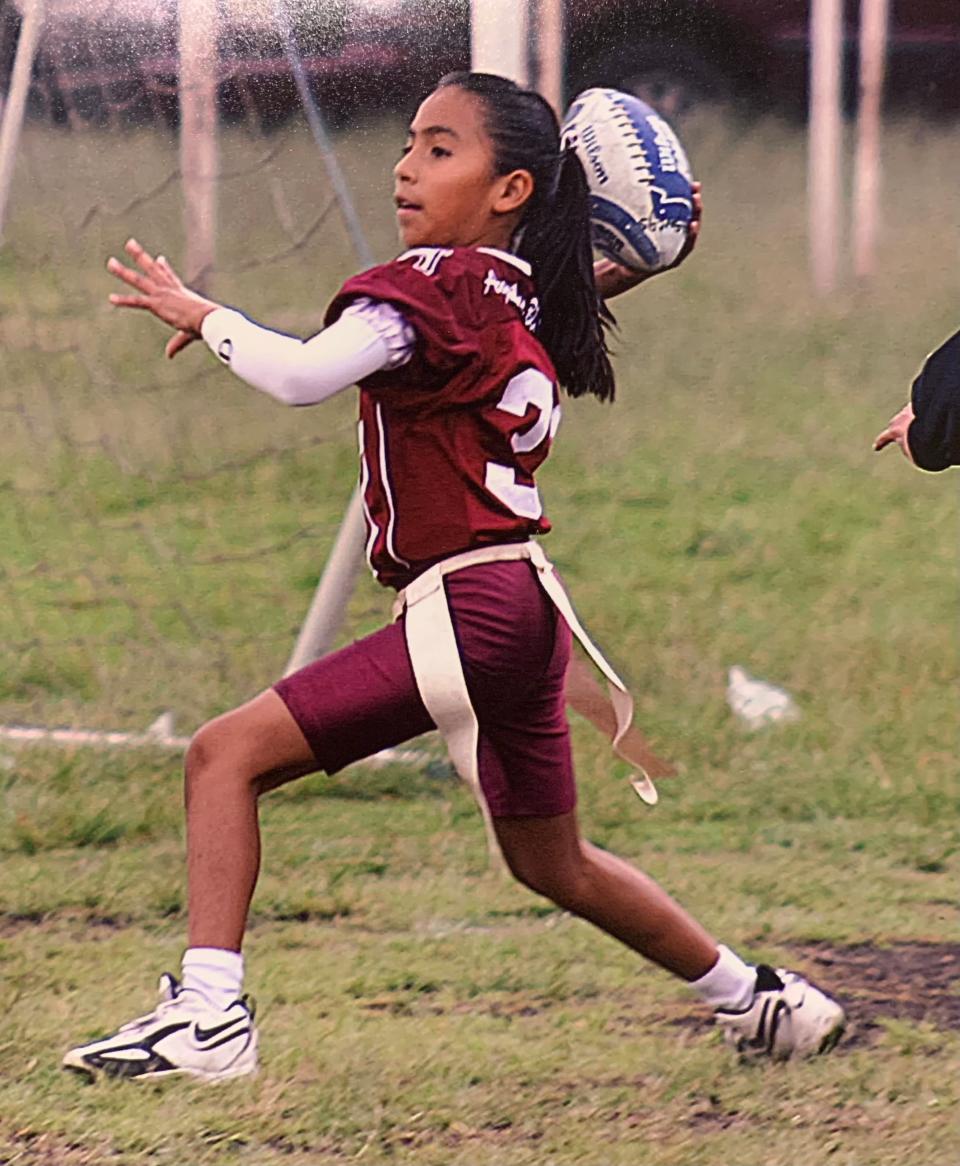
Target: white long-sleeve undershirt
(368, 336)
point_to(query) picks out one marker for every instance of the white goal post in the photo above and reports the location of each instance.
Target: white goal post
(14, 107)
(874, 29)
(825, 141)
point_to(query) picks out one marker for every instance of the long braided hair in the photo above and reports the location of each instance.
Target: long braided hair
(554, 232)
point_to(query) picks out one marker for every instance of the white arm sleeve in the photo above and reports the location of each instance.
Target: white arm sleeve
(368, 337)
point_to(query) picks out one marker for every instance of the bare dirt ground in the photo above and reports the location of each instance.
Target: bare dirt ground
(919, 982)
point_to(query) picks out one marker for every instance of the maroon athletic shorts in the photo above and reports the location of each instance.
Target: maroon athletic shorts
(514, 645)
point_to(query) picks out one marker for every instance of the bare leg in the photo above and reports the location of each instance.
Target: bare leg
(549, 856)
(231, 761)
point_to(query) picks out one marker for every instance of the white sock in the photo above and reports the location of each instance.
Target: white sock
(729, 984)
(213, 973)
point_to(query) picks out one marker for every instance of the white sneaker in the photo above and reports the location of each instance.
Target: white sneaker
(184, 1035)
(788, 1018)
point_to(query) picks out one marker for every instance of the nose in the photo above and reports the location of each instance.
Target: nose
(403, 171)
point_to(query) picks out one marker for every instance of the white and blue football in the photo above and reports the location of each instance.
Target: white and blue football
(641, 198)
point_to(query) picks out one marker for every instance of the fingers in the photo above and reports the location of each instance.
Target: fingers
(165, 272)
(896, 430)
(119, 301)
(178, 343)
(143, 259)
(133, 278)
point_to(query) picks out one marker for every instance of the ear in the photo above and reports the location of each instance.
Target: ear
(514, 191)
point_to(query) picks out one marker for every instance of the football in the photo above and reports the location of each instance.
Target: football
(641, 198)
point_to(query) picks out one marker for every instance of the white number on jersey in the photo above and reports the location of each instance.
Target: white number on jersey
(527, 388)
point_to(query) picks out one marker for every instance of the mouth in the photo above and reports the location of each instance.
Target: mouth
(405, 206)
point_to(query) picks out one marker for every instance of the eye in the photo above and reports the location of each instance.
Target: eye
(440, 152)
(405, 150)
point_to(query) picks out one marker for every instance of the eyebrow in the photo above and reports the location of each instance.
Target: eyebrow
(433, 131)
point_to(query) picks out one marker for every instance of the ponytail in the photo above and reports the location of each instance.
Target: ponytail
(556, 241)
(554, 233)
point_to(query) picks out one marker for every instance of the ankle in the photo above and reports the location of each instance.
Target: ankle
(214, 974)
(729, 985)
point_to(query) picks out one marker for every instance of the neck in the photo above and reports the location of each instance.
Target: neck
(498, 234)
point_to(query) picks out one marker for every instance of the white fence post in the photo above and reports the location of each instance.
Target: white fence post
(874, 23)
(16, 103)
(199, 147)
(824, 157)
(550, 52)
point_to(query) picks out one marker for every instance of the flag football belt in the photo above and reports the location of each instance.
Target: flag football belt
(438, 669)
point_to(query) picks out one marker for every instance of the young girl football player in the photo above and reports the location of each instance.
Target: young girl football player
(459, 347)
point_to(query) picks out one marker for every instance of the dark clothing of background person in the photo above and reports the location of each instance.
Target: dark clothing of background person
(934, 433)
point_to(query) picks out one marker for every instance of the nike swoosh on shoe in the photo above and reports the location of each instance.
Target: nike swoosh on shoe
(204, 1035)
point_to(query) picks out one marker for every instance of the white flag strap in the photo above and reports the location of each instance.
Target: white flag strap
(438, 669)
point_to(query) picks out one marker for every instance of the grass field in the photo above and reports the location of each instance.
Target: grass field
(163, 528)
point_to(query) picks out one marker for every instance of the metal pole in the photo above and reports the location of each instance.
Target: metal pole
(318, 129)
(874, 22)
(333, 591)
(199, 149)
(499, 38)
(826, 46)
(16, 102)
(328, 607)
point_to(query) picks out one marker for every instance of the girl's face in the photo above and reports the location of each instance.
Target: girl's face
(446, 192)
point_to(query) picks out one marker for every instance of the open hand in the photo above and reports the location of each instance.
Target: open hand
(896, 432)
(163, 293)
(612, 279)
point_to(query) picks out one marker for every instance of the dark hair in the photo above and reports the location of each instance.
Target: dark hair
(554, 232)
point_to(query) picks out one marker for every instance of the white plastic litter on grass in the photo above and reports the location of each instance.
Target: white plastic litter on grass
(756, 702)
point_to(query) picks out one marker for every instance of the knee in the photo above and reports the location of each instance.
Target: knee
(565, 884)
(215, 753)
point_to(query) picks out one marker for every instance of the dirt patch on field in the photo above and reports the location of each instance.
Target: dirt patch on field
(919, 982)
(83, 923)
(29, 1148)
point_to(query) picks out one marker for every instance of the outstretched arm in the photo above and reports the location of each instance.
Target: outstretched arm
(364, 340)
(613, 279)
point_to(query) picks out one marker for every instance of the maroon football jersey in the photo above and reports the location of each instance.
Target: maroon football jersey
(450, 442)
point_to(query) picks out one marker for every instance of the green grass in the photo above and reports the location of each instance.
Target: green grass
(163, 529)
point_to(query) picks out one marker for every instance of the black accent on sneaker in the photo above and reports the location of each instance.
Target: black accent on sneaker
(203, 1035)
(759, 1038)
(170, 984)
(244, 1032)
(155, 1063)
(768, 980)
(832, 1038)
(780, 1009)
(764, 1038)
